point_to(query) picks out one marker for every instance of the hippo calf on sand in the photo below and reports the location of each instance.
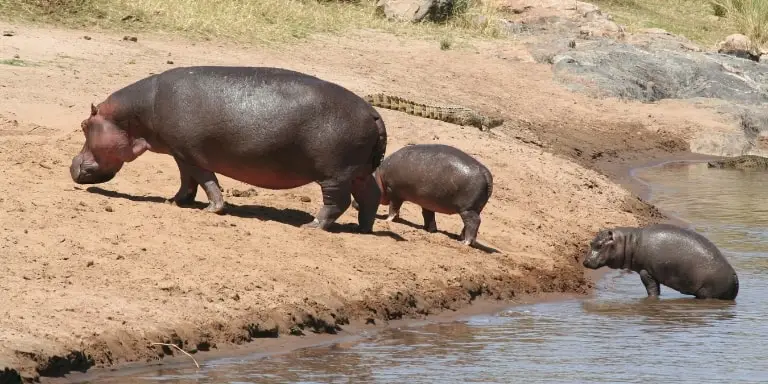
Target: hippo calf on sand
(439, 178)
(679, 258)
(268, 127)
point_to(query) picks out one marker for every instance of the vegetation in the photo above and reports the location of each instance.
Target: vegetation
(750, 16)
(248, 20)
(704, 21)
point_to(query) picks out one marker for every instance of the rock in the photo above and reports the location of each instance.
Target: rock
(250, 192)
(86, 37)
(764, 58)
(655, 31)
(415, 10)
(738, 45)
(169, 62)
(514, 7)
(601, 28)
(586, 8)
(655, 39)
(607, 67)
(8, 33)
(130, 38)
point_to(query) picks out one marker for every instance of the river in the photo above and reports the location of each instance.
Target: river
(617, 335)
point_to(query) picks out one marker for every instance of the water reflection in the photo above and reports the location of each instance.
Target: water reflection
(619, 335)
(683, 312)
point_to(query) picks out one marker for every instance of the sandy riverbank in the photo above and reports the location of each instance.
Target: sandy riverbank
(94, 275)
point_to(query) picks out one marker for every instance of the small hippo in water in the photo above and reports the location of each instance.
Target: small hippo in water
(439, 178)
(268, 127)
(679, 258)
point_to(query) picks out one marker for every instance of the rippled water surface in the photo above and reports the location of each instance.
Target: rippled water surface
(617, 336)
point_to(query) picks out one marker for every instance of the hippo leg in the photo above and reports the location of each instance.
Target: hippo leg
(394, 208)
(336, 200)
(471, 221)
(367, 193)
(651, 285)
(191, 177)
(430, 224)
(187, 190)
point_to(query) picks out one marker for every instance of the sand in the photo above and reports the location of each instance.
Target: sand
(95, 274)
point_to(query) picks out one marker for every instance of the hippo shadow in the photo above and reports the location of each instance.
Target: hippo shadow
(453, 236)
(288, 216)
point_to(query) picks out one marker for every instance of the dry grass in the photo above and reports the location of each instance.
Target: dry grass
(750, 16)
(699, 20)
(263, 21)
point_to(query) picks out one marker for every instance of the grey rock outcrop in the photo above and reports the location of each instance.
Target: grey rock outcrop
(627, 71)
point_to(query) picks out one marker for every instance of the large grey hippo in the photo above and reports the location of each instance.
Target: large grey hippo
(268, 127)
(679, 258)
(439, 178)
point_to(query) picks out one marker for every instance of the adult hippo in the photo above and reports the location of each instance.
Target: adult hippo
(268, 127)
(679, 258)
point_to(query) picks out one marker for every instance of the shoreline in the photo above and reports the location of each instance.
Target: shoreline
(353, 333)
(358, 330)
(205, 295)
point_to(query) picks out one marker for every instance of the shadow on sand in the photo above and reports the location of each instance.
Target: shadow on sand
(453, 236)
(287, 216)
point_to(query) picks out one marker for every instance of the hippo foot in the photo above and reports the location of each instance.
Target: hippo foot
(314, 224)
(215, 208)
(469, 243)
(180, 202)
(430, 229)
(364, 230)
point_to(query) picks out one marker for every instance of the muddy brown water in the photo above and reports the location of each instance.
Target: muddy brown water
(615, 336)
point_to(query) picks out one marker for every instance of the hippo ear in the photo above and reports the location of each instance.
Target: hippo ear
(94, 110)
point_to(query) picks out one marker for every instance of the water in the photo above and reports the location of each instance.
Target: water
(617, 336)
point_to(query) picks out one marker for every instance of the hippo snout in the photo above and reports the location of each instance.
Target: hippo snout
(88, 175)
(592, 260)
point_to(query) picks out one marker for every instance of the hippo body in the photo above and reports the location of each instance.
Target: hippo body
(269, 127)
(679, 258)
(439, 178)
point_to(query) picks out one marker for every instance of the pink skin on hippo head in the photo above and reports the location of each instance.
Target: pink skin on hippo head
(107, 147)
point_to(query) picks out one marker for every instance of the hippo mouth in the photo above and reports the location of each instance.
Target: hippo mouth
(84, 174)
(592, 261)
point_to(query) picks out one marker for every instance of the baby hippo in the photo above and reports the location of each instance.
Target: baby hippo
(666, 254)
(439, 178)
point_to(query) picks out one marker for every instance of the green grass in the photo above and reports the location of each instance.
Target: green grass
(16, 62)
(701, 21)
(263, 21)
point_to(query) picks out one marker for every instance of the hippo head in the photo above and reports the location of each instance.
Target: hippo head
(107, 147)
(601, 249)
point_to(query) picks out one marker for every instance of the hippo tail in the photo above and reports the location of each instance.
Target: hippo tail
(380, 148)
(488, 186)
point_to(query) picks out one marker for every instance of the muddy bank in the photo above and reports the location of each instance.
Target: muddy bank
(95, 275)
